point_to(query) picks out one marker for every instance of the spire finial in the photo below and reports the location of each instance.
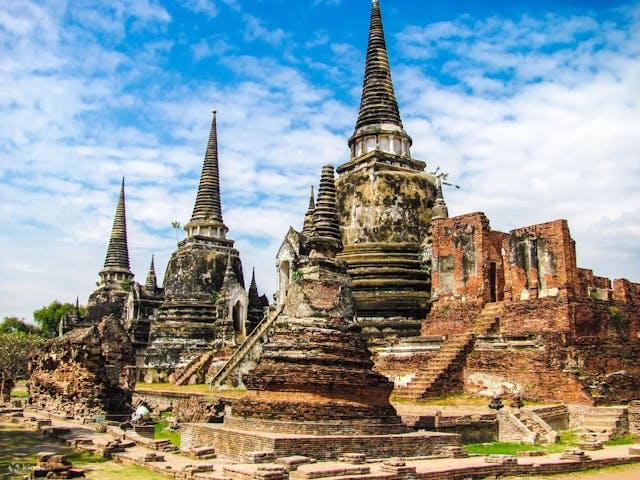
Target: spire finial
(117, 258)
(378, 104)
(307, 227)
(207, 205)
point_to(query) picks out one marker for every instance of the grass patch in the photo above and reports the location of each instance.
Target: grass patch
(568, 439)
(20, 390)
(163, 432)
(628, 439)
(451, 401)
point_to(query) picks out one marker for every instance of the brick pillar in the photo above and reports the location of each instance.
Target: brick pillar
(634, 418)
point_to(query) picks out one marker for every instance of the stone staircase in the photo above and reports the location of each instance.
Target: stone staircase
(531, 427)
(196, 367)
(604, 423)
(442, 373)
(247, 354)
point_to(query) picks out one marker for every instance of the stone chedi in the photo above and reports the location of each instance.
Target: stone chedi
(142, 307)
(115, 278)
(313, 391)
(186, 325)
(317, 365)
(385, 201)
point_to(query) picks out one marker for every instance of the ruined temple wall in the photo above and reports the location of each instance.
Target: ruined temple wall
(541, 261)
(535, 373)
(400, 365)
(539, 315)
(461, 248)
(451, 317)
(626, 291)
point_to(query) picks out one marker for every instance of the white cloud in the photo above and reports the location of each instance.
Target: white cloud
(201, 6)
(542, 125)
(255, 30)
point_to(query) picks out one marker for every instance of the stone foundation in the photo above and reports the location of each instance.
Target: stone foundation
(234, 444)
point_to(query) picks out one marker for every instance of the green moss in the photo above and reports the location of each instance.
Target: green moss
(297, 275)
(618, 320)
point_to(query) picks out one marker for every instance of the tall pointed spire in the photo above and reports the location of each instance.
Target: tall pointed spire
(152, 281)
(379, 126)
(307, 228)
(326, 236)
(207, 205)
(116, 264)
(378, 104)
(206, 220)
(253, 288)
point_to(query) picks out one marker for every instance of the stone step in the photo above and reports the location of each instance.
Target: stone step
(604, 421)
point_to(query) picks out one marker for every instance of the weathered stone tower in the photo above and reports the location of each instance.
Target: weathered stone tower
(313, 391)
(115, 278)
(317, 366)
(142, 307)
(385, 199)
(193, 283)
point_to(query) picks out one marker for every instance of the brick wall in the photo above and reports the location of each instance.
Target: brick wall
(233, 444)
(460, 257)
(451, 316)
(541, 261)
(634, 418)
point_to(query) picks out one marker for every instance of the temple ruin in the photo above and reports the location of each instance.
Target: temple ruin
(313, 391)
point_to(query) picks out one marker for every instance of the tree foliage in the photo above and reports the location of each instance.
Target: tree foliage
(48, 318)
(14, 353)
(18, 325)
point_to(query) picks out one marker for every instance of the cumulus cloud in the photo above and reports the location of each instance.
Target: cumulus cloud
(536, 118)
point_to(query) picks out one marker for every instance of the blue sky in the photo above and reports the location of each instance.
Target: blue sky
(532, 107)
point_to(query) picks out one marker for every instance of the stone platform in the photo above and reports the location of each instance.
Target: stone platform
(235, 444)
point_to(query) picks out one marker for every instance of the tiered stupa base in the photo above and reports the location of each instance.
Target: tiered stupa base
(182, 331)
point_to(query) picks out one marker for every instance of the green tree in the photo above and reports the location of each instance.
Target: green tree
(14, 353)
(48, 318)
(17, 325)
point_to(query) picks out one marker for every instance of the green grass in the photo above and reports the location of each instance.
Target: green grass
(19, 394)
(162, 432)
(628, 439)
(568, 439)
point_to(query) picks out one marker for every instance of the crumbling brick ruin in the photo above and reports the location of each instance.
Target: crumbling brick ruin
(552, 323)
(86, 373)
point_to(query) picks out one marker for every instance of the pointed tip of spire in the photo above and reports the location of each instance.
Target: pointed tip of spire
(117, 257)
(312, 201)
(152, 281)
(378, 104)
(207, 206)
